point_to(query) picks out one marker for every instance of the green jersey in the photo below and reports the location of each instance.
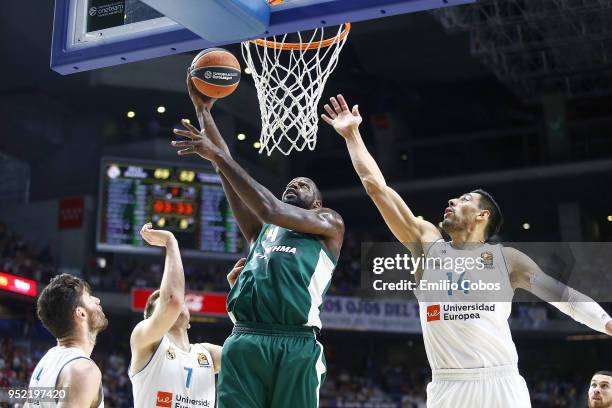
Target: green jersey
(285, 277)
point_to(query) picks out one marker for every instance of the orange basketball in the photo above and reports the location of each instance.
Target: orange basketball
(215, 72)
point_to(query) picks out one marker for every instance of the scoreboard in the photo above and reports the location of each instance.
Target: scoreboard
(187, 201)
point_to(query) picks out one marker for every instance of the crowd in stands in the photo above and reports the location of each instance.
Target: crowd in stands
(22, 258)
(378, 383)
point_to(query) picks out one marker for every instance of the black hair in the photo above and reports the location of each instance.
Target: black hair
(57, 303)
(496, 220)
(604, 372)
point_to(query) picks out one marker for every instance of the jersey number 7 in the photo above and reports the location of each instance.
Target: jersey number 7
(188, 381)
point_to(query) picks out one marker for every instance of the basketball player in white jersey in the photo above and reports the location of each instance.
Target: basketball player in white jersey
(74, 317)
(166, 370)
(600, 390)
(467, 338)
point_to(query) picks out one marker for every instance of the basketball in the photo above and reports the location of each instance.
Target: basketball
(215, 72)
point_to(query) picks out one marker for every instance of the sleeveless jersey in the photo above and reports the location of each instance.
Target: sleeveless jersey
(48, 369)
(175, 378)
(285, 277)
(465, 319)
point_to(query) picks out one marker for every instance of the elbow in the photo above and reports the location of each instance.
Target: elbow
(373, 187)
(174, 302)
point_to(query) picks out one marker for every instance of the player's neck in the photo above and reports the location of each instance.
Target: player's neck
(467, 239)
(180, 338)
(83, 341)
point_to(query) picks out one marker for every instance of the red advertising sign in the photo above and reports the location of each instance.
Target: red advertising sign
(71, 213)
(198, 303)
(16, 284)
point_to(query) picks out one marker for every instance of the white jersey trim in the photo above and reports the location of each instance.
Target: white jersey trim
(318, 282)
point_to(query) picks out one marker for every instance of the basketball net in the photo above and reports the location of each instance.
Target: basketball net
(290, 77)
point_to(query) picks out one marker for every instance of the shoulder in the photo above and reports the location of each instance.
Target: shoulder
(82, 370)
(331, 215)
(211, 348)
(513, 256)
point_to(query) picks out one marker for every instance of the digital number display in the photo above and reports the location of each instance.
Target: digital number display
(190, 202)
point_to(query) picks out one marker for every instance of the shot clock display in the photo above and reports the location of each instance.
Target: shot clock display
(187, 201)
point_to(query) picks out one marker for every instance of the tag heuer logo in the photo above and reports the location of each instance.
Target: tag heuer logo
(93, 11)
(170, 354)
(202, 360)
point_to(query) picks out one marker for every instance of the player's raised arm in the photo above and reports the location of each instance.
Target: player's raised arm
(171, 297)
(247, 221)
(82, 379)
(269, 209)
(526, 274)
(397, 215)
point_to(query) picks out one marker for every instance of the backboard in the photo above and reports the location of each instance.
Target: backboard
(91, 34)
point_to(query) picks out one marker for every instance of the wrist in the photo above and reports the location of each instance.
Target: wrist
(171, 240)
(218, 157)
(352, 134)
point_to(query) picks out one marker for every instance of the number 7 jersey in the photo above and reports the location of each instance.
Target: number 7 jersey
(174, 378)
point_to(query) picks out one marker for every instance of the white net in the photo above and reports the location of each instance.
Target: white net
(290, 78)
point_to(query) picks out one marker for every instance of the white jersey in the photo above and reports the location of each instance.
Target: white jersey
(465, 321)
(48, 369)
(175, 378)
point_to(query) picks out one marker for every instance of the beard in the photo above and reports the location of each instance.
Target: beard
(97, 321)
(599, 404)
(298, 202)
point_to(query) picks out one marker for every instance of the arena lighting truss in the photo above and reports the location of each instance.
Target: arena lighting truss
(540, 47)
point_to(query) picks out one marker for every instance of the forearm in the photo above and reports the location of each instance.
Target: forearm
(247, 221)
(368, 171)
(172, 288)
(578, 306)
(257, 198)
(584, 310)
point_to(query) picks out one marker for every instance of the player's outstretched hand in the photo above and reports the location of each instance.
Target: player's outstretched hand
(200, 101)
(198, 142)
(154, 237)
(233, 275)
(345, 121)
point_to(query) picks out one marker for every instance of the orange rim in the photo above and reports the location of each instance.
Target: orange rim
(302, 47)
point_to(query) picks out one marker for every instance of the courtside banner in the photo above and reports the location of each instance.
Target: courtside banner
(17, 284)
(198, 303)
(352, 313)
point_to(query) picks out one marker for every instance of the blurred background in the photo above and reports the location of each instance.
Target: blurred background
(511, 97)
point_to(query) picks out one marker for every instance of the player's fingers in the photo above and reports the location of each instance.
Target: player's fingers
(183, 143)
(335, 105)
(327, 119)
(189, 126)
(189, 150)
(343, 103)
(240, 262)
(356, 110)
(186, 133)
(329, 111)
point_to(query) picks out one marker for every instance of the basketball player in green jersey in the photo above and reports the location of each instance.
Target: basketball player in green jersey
(272, 359)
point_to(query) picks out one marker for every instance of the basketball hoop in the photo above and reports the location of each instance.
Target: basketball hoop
(289, 78)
